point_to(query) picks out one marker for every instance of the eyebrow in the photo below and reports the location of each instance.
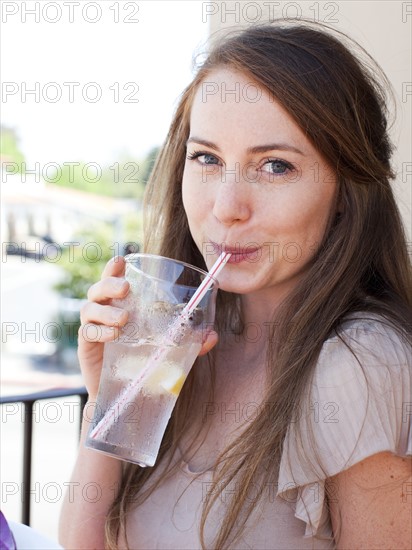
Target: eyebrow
(254, 149)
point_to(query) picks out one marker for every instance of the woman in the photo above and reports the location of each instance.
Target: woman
(294, 430)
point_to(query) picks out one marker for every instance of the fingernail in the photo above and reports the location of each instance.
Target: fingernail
(109, 332)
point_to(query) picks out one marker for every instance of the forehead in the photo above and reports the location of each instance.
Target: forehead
(230, 102)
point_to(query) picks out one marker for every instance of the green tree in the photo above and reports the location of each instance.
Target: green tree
(124, 178)
(9, 147)
(84, 263)
(82, 266)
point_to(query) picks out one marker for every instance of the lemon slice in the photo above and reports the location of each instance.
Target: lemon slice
(130, 366)
(173, 379)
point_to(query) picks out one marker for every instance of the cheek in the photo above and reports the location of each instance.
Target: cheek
(315, 219)
(302, 217)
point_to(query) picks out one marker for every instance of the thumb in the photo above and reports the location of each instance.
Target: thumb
(209, 343)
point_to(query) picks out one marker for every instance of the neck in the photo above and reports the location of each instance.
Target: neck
(260, 307)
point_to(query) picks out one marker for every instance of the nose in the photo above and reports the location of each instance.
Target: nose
(231, 204)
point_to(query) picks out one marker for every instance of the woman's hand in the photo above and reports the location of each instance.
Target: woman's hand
(100, 321)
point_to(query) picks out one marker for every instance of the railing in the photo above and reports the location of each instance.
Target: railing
(28, 402)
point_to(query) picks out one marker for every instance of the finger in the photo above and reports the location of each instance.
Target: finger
(92, 312)
(91, 332)
(210, 342)
(114, 267)
(110, 287)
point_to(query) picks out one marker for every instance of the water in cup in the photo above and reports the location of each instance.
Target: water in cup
(143, 419)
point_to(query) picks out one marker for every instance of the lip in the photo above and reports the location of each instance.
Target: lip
(238, 253)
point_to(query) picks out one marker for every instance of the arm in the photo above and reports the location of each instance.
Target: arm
(370, 504)
(91, 491)
(95, 477)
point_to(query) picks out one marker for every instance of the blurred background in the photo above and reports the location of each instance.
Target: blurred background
(87, 94)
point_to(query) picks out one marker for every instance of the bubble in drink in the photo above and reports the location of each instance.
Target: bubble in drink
(137, 426)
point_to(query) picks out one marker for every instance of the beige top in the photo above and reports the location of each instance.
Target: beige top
(348, 426)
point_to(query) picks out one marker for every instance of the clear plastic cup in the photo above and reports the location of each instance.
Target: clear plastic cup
(146, 367)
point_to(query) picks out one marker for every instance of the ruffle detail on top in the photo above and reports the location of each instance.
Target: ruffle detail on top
(359, 404)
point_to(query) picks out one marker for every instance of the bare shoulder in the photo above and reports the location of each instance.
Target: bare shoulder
(371, 503)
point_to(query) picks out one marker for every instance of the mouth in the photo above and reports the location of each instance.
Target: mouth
(251, 253)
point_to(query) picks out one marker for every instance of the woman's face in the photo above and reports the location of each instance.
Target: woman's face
(253, 185)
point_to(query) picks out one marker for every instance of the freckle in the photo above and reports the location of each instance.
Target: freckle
(392, 477)
(391, 523)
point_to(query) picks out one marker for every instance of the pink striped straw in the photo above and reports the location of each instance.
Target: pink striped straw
(127, 395)
(206, 283)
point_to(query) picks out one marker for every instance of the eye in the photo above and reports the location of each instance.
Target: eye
(277, 167)
(203, 157)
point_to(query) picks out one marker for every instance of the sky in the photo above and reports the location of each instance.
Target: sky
(105, 76)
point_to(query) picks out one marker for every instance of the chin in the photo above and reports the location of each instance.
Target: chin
(237, 285)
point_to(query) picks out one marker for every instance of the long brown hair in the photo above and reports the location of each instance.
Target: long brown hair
(339, 100)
